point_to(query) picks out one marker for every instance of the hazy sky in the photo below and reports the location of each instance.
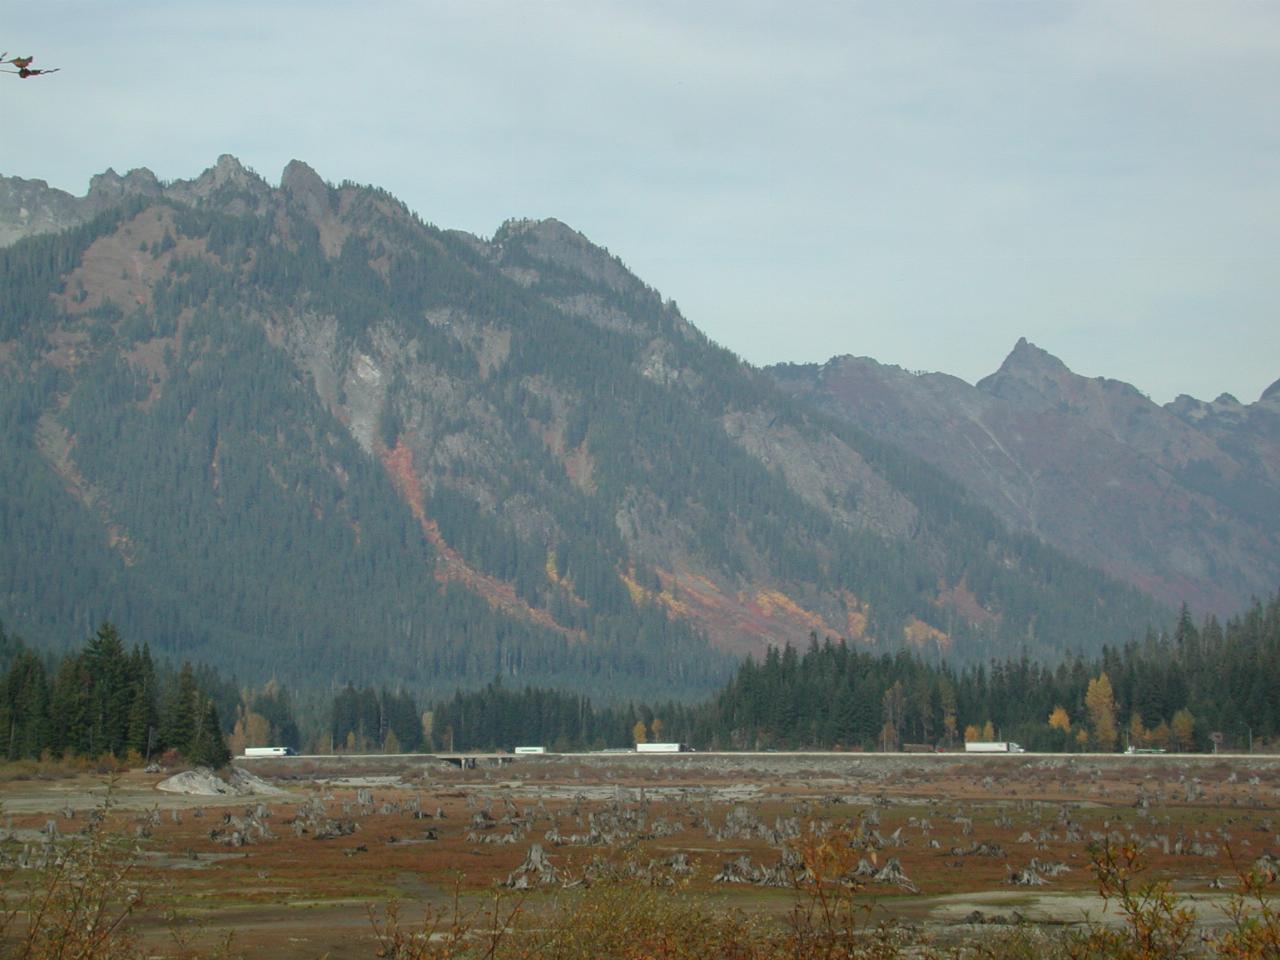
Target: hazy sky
(920, 182)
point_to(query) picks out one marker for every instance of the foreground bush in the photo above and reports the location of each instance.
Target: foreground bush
(70, 898)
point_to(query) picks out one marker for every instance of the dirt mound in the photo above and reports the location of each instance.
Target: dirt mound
(203, 782)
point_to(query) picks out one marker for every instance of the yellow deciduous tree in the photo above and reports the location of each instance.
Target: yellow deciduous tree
(972, 733)
(639, 733)
(1058, 720)
(1139, 735)
(236, 740)
(1100, 701)
(1160, 735)
(257, 730)
(250, 730)
(1182, 730)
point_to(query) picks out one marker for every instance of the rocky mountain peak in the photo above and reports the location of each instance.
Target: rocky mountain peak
(1027, 360)
(300, 177)
(228, 182)
(547, 230)
(1029, 376)
(839, 362)
(32, 207)
(228, 169)
(1187, 407)
(304, 185)
(29, 207)
(1225, 407)
(1272, 392)
(109, 186)
(558, 244)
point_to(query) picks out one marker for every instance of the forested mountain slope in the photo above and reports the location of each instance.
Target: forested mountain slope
(297, 431)
(1182, 501)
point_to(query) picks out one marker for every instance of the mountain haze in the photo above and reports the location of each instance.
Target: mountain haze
(298, 431)
(1183, 501)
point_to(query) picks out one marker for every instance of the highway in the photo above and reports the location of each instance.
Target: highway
(495, 758)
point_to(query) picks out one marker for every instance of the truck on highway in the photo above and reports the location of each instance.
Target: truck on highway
(269, 752)
(530, 750)
(992, 746)
(662, 748)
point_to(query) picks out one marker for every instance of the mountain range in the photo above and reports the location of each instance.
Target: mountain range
(1182, 501)
(296, 431)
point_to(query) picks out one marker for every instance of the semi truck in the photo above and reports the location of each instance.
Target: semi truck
(269, 752)
(992, 746)
(662, 748)
(529, 750)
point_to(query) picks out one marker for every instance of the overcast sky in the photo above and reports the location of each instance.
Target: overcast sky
(919, 182)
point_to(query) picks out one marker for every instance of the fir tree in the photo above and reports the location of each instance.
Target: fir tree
(69, 707)
(110, 692)
(208, 748)
(24, 708)
(179, 723)
(144, 716)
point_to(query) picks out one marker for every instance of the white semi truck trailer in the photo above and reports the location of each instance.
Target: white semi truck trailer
(992, 746)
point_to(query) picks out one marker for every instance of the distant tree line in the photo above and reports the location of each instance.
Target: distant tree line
(368, 719)
(498, 716)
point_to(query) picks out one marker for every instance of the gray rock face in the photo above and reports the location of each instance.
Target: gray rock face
(31, 207)
(108, 189)
(304, 186)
